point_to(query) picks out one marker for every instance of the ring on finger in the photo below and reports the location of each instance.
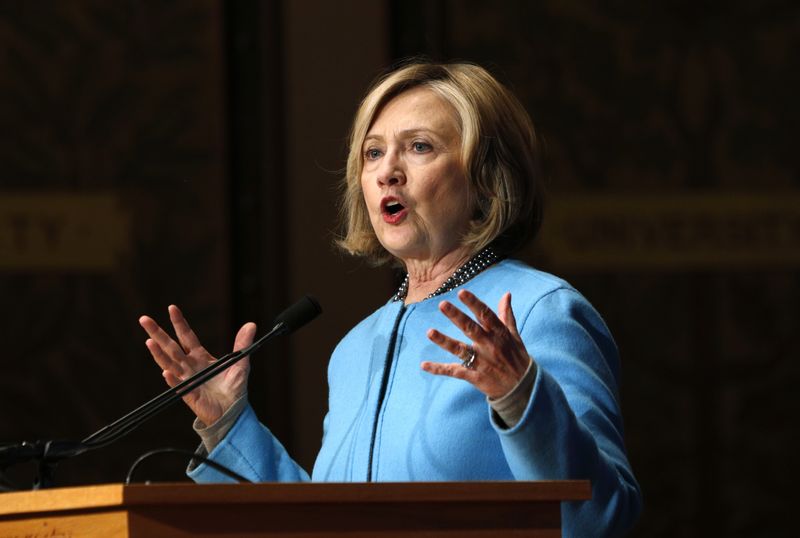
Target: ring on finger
(468, 358)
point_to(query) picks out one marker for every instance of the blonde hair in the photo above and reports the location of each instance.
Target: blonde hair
(499, 150)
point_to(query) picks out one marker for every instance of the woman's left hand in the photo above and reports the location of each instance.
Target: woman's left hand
(500, 355)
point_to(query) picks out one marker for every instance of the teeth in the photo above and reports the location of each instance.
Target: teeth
(393, 207)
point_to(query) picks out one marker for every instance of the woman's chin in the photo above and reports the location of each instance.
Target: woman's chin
(399, 240)
(405, 250)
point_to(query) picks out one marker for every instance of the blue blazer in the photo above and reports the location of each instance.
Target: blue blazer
(388, 420)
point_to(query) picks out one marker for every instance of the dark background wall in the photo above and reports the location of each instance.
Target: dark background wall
(189, 152)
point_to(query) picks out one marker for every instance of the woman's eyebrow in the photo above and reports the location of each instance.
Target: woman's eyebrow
(416, 130)
(371, 137)
(405, 133)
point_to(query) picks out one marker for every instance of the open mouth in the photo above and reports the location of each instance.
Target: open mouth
(393, 207)
(393, 210)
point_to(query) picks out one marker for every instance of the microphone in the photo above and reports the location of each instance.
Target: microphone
(288, 321)
(50, 452)
(300, 313)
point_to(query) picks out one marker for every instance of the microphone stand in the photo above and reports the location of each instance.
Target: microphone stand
(49, 453)
(126, 424)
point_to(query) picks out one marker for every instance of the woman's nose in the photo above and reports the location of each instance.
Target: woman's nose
(391, 171)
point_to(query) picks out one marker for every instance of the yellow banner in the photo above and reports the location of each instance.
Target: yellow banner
(61, 231)
(703, 231)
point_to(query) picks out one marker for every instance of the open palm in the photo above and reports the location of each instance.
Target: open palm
(180, 360)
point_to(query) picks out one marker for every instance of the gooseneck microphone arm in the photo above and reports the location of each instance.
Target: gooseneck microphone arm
(126, 424)
(48, 453)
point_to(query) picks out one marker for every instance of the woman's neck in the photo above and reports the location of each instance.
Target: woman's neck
(426, 276)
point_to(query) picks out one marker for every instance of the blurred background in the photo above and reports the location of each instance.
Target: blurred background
(189, 152)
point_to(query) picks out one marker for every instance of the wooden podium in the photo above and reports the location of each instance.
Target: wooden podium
(308, 510)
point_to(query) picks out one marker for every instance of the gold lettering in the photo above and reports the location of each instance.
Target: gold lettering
(56, 232)
(678, 231)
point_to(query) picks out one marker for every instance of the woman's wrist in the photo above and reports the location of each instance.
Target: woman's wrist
(510, 407)
(212, 434)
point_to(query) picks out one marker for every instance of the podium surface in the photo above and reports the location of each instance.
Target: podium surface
(297, 510)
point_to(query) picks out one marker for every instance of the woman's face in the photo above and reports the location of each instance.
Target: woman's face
(413, 180)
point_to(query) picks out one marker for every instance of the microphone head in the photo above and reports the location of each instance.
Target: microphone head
(299, 314)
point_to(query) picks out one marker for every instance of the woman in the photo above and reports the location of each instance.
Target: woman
(442, 177)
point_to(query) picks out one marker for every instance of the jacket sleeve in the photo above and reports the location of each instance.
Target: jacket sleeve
(572, 426)
(251, 450)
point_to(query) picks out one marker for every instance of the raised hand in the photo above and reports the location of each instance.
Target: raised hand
(180, 360)
(497, 358)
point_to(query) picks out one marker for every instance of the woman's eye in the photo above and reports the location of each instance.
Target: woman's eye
(372, 154)
(421, 147)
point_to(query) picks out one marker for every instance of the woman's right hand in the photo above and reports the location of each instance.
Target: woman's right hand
(180, 360)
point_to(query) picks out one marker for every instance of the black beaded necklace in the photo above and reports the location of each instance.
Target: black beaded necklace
(466, 272)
